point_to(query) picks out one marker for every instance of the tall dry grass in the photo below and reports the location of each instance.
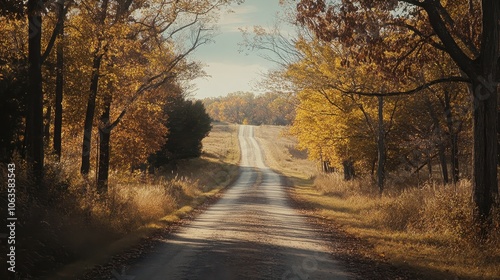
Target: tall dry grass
(431, 217)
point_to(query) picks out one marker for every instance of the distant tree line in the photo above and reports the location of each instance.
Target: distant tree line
(248, 108)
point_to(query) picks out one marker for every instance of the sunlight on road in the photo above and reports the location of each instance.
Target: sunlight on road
(251, 233)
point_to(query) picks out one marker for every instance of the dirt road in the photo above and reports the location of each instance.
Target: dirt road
(250, 233)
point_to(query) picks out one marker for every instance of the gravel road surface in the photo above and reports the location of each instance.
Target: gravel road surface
(250, 233)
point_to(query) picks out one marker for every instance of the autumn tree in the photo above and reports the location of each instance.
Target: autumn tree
(36, 55)
(451, 28)
(59, 87)
(34, 108)
(13, 85)
(128, 38)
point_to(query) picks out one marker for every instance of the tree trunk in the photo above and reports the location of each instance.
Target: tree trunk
(454, 158)
(498, 142)
(321, 162)
(46, 129)
(348, 165)
(34, 118)
(91, 102)
(104, 148)
(453, 138)
(381, 145)
(485, 88)
(429, 165)
(443, 161)
(439, 144)
(485, 151)
(89, 115)
(59, 87)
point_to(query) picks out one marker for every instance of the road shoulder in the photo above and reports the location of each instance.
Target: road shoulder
(357, 255)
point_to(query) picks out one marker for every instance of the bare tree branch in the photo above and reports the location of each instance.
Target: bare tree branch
(408, 92)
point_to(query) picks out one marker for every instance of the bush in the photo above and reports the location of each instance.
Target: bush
(449, 211)
(188, 123)
(401, 212)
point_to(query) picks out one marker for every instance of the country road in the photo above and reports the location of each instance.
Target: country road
(250, 233)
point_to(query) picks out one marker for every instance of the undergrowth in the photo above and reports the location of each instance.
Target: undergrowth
(431, 216)
(64, 219)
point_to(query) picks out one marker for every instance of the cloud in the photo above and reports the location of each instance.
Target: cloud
(226, 78)
(237, 17)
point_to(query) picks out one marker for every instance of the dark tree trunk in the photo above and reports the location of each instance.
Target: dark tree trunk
(348, 165)
(381, 146)
(485, 111)
(59, 87)
(439, 144)
(34, 116)
(453, 132)
(443, 162)
(485, 151)
(46, 129)
(89, 115)
(454, 158)
(91, 102)
(429, 165)
(498, 142)
(104, 148)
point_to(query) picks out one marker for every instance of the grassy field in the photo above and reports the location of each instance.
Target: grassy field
(428, 230)
(89, 231)
(281, 154)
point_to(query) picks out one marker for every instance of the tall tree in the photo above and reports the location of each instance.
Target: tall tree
(99, 51)
(58, 114)
(381, 145)
(138, 47)
(361, 24)
(34, 115)
(34, 119)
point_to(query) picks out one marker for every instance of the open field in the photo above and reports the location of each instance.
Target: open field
(281, 154)
(426, 231)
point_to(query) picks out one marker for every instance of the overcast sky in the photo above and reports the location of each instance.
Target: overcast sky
(229, 69)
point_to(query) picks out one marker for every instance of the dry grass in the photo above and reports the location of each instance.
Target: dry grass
(429, 228)
(71, 223)
(280, 153)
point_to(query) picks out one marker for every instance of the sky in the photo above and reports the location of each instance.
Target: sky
(229, 69)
